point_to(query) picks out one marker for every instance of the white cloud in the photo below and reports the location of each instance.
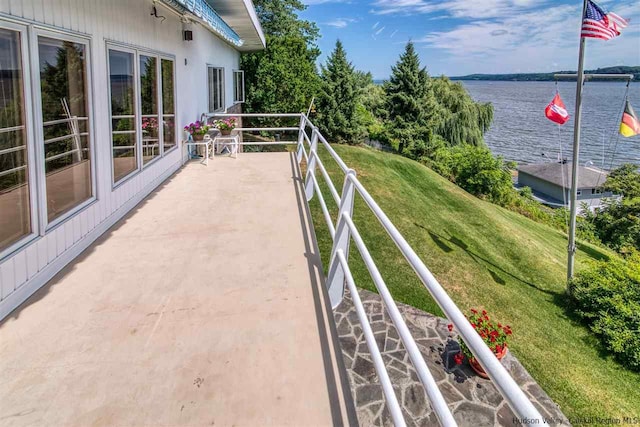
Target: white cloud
(315, 2)
(340, 22)
(456, 8)
(530, 41)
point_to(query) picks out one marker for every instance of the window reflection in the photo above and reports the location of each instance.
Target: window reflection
(168, 105)
(15, 220)
(149, 108)
(123, 123)
(63, 83)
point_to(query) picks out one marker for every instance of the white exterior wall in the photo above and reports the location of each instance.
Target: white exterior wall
(128, 22)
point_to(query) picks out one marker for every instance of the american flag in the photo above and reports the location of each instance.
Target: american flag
(598, 24)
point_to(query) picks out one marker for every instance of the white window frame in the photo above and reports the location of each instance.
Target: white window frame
(176, 133)
(235, 87)
(222, 88)
(137, 51)
(37, 31)
(135, 113)
(32, 164)
(149, 54)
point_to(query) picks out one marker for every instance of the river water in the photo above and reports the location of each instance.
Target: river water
(521, 132)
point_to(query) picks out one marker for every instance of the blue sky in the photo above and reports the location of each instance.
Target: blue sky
(456, 37)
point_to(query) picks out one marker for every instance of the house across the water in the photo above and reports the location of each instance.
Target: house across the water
(551, 183)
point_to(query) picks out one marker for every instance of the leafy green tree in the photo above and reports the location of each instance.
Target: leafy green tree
(476, 170)
(618, 224)
(410, 104)
(283, 77)
(371, 112)
(624, 180)
(461, 120)
(338, 100)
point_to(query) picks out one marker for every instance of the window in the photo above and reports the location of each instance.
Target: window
(238, 86)
(65, 124)
(141, 99)
(216, 89)
(123, 113)
(168, 105)
(149, 108)
(15, 186)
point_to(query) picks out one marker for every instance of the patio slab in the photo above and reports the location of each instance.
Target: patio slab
(204, 306)
(473, 400)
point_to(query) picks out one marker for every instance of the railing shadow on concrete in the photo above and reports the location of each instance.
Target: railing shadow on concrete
(339, 277)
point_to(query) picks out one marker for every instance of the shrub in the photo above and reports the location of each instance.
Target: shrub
(618, 223)
(607, 297)
(480, 173)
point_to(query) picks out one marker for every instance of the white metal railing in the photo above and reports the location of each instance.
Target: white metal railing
(75, 134)
(339, 276)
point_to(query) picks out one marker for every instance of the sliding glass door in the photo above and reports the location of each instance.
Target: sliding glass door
(143, 109)
(65, 124)
(15, 185)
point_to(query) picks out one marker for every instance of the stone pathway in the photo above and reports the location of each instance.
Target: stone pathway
(473, 400)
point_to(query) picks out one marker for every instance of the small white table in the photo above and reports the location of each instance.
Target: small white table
(228, 142)
(206, 143)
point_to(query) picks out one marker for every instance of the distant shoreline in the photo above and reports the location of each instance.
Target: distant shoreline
(546, 77)
(541, 77)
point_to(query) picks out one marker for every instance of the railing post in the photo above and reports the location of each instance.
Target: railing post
(336, 277)
(311, 166)
(303, 125)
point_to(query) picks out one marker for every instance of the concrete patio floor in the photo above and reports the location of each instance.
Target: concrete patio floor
(204, 306)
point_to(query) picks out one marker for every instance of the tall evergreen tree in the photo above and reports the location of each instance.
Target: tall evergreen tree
(410, 104)
(339, 98)
(283, 77)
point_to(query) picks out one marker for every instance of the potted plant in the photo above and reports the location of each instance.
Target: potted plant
(495, 335)
(149, 126)
(226, 126)
(197, 130)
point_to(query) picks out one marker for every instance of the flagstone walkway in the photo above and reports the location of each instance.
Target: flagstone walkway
(473, 400)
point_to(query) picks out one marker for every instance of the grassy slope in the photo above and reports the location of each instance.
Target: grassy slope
(485, 256)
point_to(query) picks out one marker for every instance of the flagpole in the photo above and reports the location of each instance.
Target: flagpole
(571, 249)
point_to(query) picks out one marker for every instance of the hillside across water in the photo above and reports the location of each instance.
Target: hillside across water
(545, 77)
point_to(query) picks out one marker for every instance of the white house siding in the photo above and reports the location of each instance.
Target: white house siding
(120, 21)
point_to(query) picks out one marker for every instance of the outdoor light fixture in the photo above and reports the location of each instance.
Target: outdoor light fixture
(187, 32)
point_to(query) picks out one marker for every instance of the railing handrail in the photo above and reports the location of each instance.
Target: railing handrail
(505, 384)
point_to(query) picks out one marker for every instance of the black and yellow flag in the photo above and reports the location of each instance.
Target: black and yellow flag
(630, 125)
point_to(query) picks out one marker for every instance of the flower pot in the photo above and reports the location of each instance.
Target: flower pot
(225, 132)
(475, 365)
(198, 137)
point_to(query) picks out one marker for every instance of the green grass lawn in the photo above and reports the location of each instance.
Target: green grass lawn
(484, 256)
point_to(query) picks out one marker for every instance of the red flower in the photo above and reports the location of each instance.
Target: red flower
(493, 338)
(474, 325)
(458, 358)
(498, 349)
(474, 311)
(450, 327)
(484, 312)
